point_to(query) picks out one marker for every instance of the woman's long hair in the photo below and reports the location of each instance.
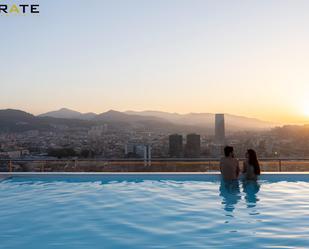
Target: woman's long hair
(254, 161)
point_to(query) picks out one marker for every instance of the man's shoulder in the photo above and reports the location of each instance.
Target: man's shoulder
(229, 159)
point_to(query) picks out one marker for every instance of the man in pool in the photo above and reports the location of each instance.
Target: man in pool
(229, 165)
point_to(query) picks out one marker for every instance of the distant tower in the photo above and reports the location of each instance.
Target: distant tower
(175, 145)
(220, 129)
(193, 145)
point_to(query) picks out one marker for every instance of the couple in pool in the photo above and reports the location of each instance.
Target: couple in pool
(229, 165)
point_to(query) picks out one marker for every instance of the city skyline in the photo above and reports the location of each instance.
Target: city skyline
(246, 59)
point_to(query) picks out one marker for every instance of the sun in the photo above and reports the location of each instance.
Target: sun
(306, 109)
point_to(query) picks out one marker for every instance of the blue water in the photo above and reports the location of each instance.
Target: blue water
(45, 214)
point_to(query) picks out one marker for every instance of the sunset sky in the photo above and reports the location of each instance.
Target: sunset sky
(242, 57)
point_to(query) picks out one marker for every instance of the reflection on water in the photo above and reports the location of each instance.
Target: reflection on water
(231, 195)
(251, 188)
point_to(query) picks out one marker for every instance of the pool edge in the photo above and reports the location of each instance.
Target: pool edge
(201, 176)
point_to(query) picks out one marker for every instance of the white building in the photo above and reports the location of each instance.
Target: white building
(138, 150)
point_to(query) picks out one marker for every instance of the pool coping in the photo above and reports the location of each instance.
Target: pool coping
(141, 173)
(279, 176)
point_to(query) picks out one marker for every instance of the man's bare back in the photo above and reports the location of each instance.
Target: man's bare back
(229, 168)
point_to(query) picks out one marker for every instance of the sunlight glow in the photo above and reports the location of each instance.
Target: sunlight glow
(306, 109)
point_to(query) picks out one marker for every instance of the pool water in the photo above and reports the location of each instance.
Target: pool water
(41, 214)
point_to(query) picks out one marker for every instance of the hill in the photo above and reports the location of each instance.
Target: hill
(68, 114)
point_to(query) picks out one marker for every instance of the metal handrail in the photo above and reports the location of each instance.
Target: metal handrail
(73, 163)
(197, 159)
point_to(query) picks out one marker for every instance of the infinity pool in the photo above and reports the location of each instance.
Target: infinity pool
(153, 211)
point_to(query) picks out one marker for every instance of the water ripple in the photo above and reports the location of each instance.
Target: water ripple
(153, 214)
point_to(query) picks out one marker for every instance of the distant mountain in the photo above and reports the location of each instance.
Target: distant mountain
(88, 116)
(233, 122)
(16, 120)
(16, 115)
(116, 116)
(137, 122)
(134, 118)
(19, 121)
(68, 114)
(112, 115)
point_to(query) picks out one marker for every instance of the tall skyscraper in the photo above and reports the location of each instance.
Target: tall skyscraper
(175, 145)
(193, 145)
(220, 129)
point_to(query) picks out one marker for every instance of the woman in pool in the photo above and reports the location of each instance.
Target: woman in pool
(251, 166)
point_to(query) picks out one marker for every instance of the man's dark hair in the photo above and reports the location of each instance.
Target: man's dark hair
(228, 150)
